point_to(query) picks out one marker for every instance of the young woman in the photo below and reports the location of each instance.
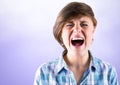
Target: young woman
(74, 29)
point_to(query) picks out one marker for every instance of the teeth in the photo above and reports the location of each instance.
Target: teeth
(77, 39)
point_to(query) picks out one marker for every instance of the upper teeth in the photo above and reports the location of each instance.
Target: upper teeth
(77, 39)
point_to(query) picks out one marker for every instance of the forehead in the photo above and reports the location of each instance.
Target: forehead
(79, 18)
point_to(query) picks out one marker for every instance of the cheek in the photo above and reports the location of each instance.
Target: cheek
(65, 37)
(90, 35)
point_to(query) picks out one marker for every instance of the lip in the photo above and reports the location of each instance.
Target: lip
(77, 36)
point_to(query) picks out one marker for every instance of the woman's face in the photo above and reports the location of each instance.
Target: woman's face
(77, 34)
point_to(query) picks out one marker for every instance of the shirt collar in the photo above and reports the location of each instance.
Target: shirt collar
(61, 63)
(94, 63)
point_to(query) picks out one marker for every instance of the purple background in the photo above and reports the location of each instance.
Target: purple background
(26, 39)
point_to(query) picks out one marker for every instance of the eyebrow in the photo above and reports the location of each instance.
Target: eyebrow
(82, 21)
(69, 22)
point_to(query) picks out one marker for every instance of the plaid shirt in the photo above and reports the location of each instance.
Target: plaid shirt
(58, 73)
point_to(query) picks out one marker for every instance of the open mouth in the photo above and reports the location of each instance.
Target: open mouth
(77, 41)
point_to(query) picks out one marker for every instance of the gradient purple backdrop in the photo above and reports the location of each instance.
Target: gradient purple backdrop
(26, 39)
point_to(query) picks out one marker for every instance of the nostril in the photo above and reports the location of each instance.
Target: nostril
(77, 31)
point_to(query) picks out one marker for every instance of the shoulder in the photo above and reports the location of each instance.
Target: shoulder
(102, 65)
(109, 71)
(48, 67)
(44, 72)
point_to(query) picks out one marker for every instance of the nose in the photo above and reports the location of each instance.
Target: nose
(77, 29)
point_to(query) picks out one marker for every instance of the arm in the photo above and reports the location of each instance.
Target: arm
(113, 80)
(37, 77)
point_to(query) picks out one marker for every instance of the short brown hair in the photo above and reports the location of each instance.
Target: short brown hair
(72, 9)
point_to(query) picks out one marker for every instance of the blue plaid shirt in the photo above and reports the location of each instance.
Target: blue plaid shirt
(58, 73)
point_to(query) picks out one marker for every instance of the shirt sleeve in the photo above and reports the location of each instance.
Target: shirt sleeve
(37, 77)
(113, 77)
(41, 76)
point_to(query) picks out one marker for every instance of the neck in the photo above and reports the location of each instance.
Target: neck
(75, 60)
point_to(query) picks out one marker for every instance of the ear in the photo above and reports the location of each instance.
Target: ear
(94, 29)
(93, 33)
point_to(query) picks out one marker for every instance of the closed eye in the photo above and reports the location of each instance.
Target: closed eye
(69, 25)
(84, 25)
